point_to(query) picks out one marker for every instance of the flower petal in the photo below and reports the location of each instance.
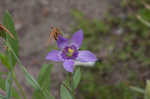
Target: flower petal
(53, 55)
(69, 65)
(86, 56)
(61, 42)
(77, 38)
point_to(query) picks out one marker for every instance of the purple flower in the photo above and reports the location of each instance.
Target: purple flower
(69, 52)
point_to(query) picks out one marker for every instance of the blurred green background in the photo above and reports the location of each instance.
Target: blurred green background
(122, 41)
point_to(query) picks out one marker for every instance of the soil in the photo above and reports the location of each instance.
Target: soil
(33, 19)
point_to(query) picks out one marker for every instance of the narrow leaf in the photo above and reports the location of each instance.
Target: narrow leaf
(5, 60)
(64, 93)
(76, 78)
(44, 81)
(2, 34)
(44, 76)
(9, 86)
(9, 24)
(2, 87)
(31, 80)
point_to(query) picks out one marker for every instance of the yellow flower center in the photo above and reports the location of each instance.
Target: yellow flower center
(70, 52)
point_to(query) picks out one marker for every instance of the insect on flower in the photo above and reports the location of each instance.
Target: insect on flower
(69, 52)
(3, 28)
(54, 34)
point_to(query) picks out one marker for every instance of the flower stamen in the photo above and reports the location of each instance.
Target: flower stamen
(70, 52)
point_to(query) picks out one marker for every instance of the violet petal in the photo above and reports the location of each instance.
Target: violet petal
(53, 56)
(61, 42)
(69, 65)
(86, 56)
(77, 38)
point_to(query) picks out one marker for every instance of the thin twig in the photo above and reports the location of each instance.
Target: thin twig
(146, 23)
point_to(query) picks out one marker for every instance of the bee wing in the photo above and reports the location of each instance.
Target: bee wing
(6, 30)
(58, 31)
(50, 37)
(53, 34)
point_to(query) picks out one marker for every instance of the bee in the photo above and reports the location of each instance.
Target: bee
(3, 28)
(54, 34)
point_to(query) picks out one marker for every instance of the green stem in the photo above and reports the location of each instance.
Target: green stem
(9, 81)
(9, 85)
(19, 86)
(72, 89)
(26, 72)
(69, 78)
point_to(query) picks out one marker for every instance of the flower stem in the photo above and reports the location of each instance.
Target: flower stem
(19, 86)
(70, 89)
(45, 93)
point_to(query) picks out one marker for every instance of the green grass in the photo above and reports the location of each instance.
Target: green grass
(123, 44)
